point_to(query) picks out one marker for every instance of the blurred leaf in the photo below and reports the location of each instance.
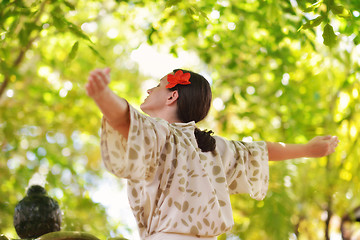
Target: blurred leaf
(77, 31)
(195, 11)
(329, 36)
(357, 40)
(340, 11)
(69, 5)
(171, 3)
(97, 53)
(337, 9)
(312, 23)
(149, 37)
(24, 37)
(73, 51)
(4, 2)
(313, 6)
(59, 22)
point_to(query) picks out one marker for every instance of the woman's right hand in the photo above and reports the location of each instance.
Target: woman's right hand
(98, 81)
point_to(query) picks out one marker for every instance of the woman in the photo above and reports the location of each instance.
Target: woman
(180, 178)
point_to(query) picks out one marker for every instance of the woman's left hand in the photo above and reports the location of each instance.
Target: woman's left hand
(321, 146)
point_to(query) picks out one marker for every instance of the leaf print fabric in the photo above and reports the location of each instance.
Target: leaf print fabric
(173, 187)
(136, 157)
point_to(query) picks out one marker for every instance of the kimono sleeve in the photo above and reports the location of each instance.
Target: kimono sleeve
(137, 157)
(248, 169)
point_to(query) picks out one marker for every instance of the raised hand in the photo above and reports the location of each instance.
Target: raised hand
(98, 81)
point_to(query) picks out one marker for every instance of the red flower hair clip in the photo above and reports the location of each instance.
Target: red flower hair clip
(178, 78)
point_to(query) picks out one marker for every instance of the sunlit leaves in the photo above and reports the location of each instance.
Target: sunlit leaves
(314, 6)
(44, 99)
(340, 11)
(58, 21)
(324, 9)
(295, 107)
(171, 3)
(270, 82)
(313, 23)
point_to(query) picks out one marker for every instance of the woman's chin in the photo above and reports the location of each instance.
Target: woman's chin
(143, 107)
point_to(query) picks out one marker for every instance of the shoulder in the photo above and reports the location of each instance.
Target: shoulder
(139, 118)
(183, 128)
(223, 145)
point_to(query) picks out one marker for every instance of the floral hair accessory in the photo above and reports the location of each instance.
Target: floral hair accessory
(178, 78)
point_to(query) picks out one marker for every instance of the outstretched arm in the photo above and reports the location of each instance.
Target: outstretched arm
(114, 108)
(317, 147)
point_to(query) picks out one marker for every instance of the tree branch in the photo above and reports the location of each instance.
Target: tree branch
(21, 55)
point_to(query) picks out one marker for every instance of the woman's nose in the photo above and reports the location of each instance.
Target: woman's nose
(150, 90)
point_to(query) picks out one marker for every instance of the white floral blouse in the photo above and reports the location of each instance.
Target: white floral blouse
(174, 187)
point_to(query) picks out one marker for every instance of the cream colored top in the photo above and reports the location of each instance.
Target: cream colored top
(174, 187)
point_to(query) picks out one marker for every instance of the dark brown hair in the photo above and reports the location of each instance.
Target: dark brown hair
(194, 104)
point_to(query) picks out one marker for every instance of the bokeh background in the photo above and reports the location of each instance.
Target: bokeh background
(280, 71)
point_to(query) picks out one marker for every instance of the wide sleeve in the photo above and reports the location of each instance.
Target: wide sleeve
(137, 157)
(247, 167)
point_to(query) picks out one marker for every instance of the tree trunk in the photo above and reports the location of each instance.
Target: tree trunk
(327, 222)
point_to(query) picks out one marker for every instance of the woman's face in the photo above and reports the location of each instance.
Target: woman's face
(156, 100)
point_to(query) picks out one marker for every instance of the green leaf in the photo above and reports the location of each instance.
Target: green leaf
(337, 9)
(24, 11)
(20, 4)
(149, 37)
(4, 2)
(78, 32)
(329, 36)
(73, 51)
(59, 22)
(190, 11)
(312, 23)
(171, 3)
(340, 11)
(25, 32)
(194, 10)
(357, 40)
(173, 51)
(15, 21)
(58, 18)
(313, 6)
(31, 26)
(97, 53)
(69, 5)
(24, 37)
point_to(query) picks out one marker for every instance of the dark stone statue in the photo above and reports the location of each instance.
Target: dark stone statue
(36, 214)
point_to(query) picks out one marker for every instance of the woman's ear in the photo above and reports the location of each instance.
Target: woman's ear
(173, 97)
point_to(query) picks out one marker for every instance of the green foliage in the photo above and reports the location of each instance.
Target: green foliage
(284, 70)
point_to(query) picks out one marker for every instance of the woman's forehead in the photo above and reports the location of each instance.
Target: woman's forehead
(165, 77)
